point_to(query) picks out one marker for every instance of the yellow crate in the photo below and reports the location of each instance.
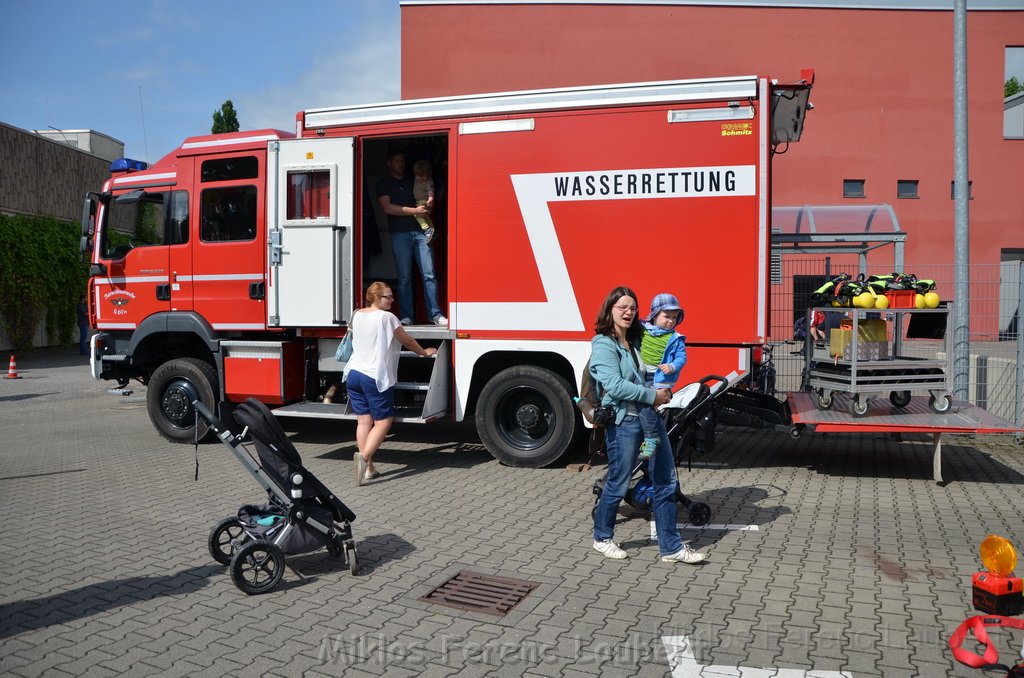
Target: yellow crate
(869, 332)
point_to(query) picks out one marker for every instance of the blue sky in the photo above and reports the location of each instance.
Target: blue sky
(152, 72)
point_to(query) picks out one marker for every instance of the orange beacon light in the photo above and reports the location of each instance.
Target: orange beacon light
(997, 591)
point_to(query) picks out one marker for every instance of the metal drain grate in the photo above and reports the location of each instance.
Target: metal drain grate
(481, 593)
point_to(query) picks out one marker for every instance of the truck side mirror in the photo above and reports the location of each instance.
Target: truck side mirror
(88, 216)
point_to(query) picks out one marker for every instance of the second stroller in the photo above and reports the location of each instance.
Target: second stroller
(690, 422)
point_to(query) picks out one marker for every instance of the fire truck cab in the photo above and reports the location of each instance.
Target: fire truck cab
(230, 268)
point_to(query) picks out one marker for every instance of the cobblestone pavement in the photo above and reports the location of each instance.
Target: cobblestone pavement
(850, 558)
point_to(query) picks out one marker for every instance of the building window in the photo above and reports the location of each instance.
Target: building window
(1013, 94)
(952, 190)
(853, 188)
(906, 188)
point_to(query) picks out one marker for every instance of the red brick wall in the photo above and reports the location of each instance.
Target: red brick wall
(883, 99)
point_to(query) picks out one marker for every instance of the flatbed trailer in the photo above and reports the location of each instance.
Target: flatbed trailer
(884, 417)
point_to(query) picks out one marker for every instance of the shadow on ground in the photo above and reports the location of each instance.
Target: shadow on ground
(67, 606)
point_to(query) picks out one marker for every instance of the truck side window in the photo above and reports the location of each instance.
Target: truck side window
(228, 214)
(309, 195)
(230, 169)
(138, 222)
(177, 218)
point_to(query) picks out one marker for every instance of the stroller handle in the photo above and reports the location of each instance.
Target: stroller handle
(722, 384)
(205, 412)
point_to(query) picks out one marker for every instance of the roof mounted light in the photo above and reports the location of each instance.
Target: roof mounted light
(127, 165)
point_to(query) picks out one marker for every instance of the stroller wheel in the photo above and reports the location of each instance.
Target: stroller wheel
(257, 567)
(223, 538)
(334, 546)
(700, 513)
(353, 560)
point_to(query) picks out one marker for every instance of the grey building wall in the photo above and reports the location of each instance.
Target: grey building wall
(88, 140)
(42, 177)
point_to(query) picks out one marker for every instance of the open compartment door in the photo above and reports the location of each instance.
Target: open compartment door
(310, 234)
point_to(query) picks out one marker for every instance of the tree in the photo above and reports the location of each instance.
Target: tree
(1012, 86)
(225, 120)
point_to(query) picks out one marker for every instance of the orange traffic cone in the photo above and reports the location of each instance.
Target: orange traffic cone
(12, 371)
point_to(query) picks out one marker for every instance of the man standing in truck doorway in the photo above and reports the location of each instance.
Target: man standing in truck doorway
(395, 195)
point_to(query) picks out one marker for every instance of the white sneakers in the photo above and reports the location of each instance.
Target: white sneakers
(685, 555)
(439, 320)
(610, 549)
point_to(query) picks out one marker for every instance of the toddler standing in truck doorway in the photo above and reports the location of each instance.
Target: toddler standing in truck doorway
(662, 346)
(423, 192)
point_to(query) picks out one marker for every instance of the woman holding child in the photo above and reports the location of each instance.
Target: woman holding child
(616, 366)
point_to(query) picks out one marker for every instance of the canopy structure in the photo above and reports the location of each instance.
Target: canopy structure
(837, 229)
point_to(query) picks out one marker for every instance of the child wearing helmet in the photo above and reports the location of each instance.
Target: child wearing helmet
(663, 347)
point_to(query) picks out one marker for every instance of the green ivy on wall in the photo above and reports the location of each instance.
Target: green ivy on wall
(41, 278)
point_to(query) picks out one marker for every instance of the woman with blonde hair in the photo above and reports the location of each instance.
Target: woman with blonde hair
(372, 372)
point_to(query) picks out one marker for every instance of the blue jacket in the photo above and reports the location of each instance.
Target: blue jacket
(621, 381)
(675, 355)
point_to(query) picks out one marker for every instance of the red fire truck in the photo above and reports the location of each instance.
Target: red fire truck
(229, 268)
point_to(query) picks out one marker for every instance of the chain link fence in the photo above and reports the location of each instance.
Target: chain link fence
(996, 347)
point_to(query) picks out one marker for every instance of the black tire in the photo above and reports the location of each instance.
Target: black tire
(525, 416)
(940, 405)
(257, 567)
(899, 398)
(858, 407)
(221, 538)
(353, 559)
(699, 513)
(171, 390)
(823, 401)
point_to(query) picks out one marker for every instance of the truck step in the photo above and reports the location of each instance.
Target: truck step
(310, 410)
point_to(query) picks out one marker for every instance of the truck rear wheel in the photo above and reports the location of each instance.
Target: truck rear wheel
(525, 416)
(171, 390)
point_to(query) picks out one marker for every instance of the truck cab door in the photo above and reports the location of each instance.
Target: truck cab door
(134, 253)
(309, 220)
(228, 267)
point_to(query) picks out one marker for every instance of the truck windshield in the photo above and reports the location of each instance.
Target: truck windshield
(144, 220)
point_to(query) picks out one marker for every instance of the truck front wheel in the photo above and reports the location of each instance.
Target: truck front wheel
(170, 393)
(525, 416)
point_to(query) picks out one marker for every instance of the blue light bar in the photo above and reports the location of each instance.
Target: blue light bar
(127, 165)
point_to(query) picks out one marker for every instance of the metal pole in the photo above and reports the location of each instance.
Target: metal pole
(1018, 395)
(961, 262)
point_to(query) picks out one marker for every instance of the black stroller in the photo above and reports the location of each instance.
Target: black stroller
(690, 421)
(301, 516)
